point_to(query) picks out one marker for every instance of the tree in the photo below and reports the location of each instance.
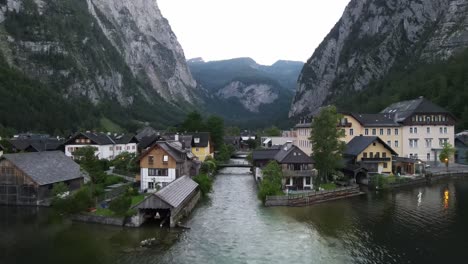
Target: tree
(205, 183)
(233, 131)
(89, 162)
(120, 205)
(271, 181)
(326, 144)
(59, 189)
(446, 153)
(125, 162)
(252, 143)
(272, 132)
(193, 123)
(215, 126)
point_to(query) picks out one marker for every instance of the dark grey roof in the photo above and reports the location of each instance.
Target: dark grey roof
(406, 160)
(46, 167)
(1, 147)
(287, 153)
(406, 109)
(304, 125)
(462, 139)
(204, 139)
(152, 202)
(382, 119)
(147, 132)
(177, 191)
(360, 143)
(173, 148)
(96, 138)
(125, 139)
(148, 141)
(35, 144)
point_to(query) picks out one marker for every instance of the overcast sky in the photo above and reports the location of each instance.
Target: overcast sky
(265, 30)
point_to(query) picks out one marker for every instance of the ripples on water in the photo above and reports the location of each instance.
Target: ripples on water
(416, 225)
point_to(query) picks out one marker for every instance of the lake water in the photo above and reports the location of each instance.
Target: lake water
(426, 224)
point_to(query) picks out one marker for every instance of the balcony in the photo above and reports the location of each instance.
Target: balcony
(375, 160)
(299, 173)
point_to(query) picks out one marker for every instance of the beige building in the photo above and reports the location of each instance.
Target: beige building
(302, 132)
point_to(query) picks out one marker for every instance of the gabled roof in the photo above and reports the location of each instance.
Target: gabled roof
(46, 167)
(35, 144)
(148, 141)
(1, 147)
(96, 138)
(406, 109)
(358, 144)
(171, 196)
(147, 132)
(380, 120)
(125, 139)
(287, 153)
(171, 147)
(177, 191)
(204, 139)
(462, 139)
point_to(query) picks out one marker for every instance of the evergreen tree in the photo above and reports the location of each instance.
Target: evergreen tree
(215, 126)
(193, 123)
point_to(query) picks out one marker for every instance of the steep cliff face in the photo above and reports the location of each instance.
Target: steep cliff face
(105, 51)
(250, 96)
(372, 38)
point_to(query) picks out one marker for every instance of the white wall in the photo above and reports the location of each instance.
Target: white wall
(448, 132)
(302, 140)
(160, 179)
(105, 151)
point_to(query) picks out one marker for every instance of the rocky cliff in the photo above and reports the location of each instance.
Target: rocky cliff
(105, 51)
(374, 37)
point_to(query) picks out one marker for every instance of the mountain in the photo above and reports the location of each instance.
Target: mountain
(383, 51)
(245, 92)
(88, 63)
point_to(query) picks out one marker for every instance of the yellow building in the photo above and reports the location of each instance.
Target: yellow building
(202, 146)
(371, 153)
(381, 125)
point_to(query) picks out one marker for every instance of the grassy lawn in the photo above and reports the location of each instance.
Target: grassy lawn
(138, 198)
(108, 125)
(103, 212)
(328, 186)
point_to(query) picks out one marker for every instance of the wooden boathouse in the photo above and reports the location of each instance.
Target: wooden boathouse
(170, 204)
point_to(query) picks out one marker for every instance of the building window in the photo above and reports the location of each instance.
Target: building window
(384, 155)
(445, 130)
(396, 131)
(389, 131)
(396, 143)
(411, 130)
(374, 131)
(371, 155)
(196, 140)
(111, 148)
(428, 130)
(197, 149)
(308, 180)
(389, 143)
(366, 131)
(415, 130)
(413, 143)
(133, 147)
(385, 165)
(440, 130)
(364, 155)
(351, 132)
(428, 156)
(428, 142)
(150, 185)
(381, 131)
(151, 160)
(165, 159)
(158, 172)
(443, 141)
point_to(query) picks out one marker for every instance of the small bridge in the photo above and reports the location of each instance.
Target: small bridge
(240, 154)
(234, 165)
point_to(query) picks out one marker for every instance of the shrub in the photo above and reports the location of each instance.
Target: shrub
(120, 205)
(271, 183)
(76, 203)
(112, 179)
(205, 183)
(59, 188)
(328, 186)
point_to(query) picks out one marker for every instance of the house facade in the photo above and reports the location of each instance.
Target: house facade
(371, 153)
(302, 133)
(202, 146)
(164, 162)
(108, 146)
(297, 167)
(28, 178)
(461, 146)
(426, 127)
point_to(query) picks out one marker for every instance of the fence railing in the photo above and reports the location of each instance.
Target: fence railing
(312, 193)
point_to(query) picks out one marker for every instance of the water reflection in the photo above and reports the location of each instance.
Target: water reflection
(231, 226)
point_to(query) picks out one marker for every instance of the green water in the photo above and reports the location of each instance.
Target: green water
(232, 227)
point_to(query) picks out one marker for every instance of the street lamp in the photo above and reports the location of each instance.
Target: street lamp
(446, 163)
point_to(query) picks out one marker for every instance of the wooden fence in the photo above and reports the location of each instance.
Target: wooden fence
(312, 197)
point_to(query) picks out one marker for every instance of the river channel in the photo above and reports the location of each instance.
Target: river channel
(427, 224)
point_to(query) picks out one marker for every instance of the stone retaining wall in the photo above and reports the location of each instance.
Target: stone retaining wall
(97, 219)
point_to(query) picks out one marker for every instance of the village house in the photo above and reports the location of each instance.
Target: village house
(164, 162)
(370, 153)
(202, 146)
(2, 149)
(245, 137)
(108, 146)
(302, 133)
(35, 143)
(28, 178)
(461, 146)
(297, 166)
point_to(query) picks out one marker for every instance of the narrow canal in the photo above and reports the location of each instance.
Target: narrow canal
(416, 225)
